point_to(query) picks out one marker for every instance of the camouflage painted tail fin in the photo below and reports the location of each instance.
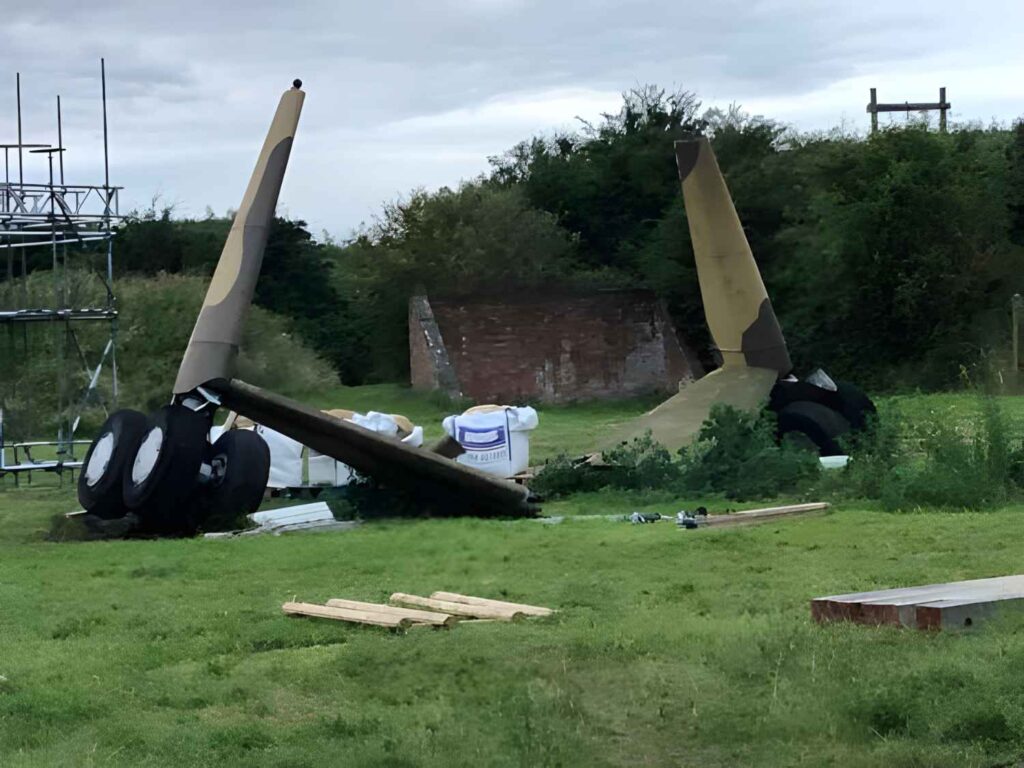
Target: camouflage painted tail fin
(213, 347)
(736, 305)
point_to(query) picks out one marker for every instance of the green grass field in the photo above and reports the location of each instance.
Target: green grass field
(670, 648)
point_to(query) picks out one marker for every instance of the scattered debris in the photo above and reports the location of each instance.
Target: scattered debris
(448, 608)
(955, 605)
(302, 518)
(833, 462)
(686, 519)
(639, 518)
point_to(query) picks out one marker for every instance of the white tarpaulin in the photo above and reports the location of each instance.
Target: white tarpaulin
(495, 438)
(286, 470)
(323, 470)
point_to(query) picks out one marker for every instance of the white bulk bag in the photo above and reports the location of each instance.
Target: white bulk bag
(323, 470)
(495, 438)
(285, 458)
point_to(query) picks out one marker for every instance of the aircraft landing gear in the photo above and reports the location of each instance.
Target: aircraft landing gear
(99, 482)
(820, 412)
(165, 471)
(240, 464)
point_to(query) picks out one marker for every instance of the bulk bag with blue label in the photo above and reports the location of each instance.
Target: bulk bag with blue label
(495, 437)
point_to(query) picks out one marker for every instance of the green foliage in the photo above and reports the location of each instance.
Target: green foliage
(479, 238)
(899, 253)
(931, 461)
(889, 258)
(736, 454)
(156, 318)
(640, 464)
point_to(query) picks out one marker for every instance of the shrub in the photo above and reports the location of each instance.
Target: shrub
(156, 318)
(736, 453)
(640, 464)
(948, 464)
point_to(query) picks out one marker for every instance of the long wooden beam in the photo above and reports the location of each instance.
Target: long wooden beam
(457, 609)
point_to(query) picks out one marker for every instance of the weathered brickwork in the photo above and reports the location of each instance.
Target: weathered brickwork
(552, 348)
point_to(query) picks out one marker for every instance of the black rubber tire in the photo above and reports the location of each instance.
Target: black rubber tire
(163, 499)
(100, 494)
(819, 423)
(855, 406)
(786, 392)
(245, 459)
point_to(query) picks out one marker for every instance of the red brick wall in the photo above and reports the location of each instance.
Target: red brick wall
(557, 348)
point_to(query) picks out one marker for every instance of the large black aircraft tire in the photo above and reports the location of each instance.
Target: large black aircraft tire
(786, 392)
(160, 480)
(819, 423)
(100, 481)
(855, 406)
(243, 458)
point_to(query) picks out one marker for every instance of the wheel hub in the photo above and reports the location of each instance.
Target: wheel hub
(147, 455)
(102, 452)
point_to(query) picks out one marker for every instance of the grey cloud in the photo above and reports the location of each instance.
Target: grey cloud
(192, 84)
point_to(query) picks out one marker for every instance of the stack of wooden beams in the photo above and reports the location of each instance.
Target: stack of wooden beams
(441, 609)
(956, 605)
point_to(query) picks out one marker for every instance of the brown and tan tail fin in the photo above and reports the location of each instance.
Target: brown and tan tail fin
(213, 347)
(736, 304)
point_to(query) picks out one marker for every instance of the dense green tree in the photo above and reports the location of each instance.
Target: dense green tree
(481, 237)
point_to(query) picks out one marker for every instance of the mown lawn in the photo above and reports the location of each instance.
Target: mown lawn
(671, 647)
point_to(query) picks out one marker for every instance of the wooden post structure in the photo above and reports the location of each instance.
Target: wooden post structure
(943, 106)
(1017, 308)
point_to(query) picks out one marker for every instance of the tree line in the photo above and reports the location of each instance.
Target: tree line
(890, 259)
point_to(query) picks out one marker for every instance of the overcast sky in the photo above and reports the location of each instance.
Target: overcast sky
(404, 94)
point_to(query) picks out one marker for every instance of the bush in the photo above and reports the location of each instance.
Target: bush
(949, 464)
(640, 464)
(735, 454)
(156, 318)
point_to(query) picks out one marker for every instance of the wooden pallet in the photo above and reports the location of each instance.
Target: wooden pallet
(955, 605)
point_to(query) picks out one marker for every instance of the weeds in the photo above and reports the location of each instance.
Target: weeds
(735, 454)
(930, 460)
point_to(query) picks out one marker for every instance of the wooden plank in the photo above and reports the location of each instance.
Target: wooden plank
(456, 609)
(764, 513)
(419, 617)
(346, 614)
(529, 610)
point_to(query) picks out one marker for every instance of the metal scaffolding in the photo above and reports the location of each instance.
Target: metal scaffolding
(70, 220)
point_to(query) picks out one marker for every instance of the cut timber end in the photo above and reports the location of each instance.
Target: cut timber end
(419, 617)
(529, 610)
(457, 609)
(346, 614)
(955, 605)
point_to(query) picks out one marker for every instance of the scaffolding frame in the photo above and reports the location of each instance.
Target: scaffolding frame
(59, 216)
